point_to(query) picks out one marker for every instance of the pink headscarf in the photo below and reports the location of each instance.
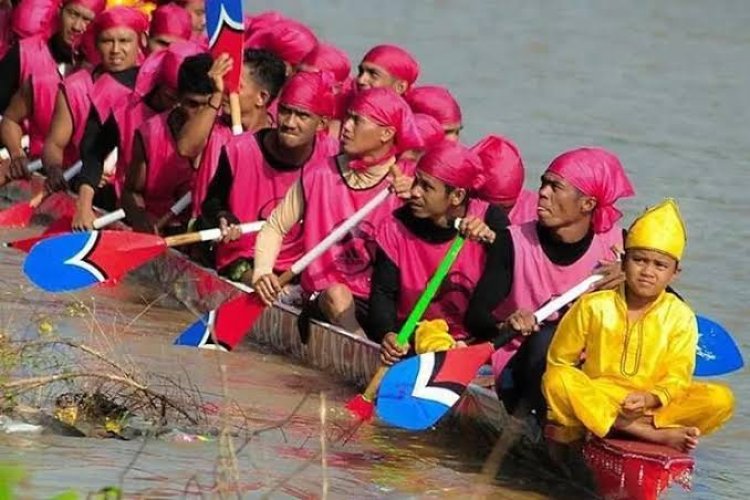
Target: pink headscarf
(262, 20)
(171, 20)
(597, 173)
(95, 6)
(163, 67)
(503, 169)
(388, 109)
(312, 92)
(437, 102)
(454, 164)
(289, 40)
(35, 17)
(120, 17)
(396, 61)
(326, 57)
(430, 130)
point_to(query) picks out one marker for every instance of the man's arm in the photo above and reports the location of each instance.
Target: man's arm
(58, 138)
(135, 183)
(386, 279)
(11, 131)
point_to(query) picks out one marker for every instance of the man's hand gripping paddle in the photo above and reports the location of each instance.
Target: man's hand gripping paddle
(361, 405)
(74, 261)
(225, 28)
(226, 326)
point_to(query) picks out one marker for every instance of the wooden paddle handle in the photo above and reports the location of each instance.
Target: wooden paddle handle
(208, 234)
(176, 209)
(372, 387)
(236, 113)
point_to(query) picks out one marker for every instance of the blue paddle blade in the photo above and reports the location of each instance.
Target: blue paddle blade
(63, 263)
(198, 333)
(717, 352)
(398, 406)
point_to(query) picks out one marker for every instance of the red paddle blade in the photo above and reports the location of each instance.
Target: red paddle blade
(230, 323)
(19, 215)
(360, 407)
(225, 28)
(59, 226)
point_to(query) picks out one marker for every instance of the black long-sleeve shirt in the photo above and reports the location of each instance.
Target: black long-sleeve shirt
(10, 67)
(497, 279)
(386, 277)
(99, 139)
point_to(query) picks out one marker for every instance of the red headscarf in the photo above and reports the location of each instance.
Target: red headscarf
(326, 57)
(396, 61)
(437, 102)
(388, 109)
(35, 17)
(312, 92)
(163, 67)
(454, 164)
(503, 170)
(597, 173)
(289, 40)
(430, 130)
(120, 17)
(171, 20)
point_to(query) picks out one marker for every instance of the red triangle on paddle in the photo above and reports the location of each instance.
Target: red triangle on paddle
(19, 215)
(235, 318)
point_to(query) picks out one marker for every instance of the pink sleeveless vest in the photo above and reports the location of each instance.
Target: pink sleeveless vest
(417, 261)
(40, 69)
(168, 175)
(257, 189)
(219, 137)
(328, 202)
(536, 279)
(525, 208)
(75, 89)
(6, 33)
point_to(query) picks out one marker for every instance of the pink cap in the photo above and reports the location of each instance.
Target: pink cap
(326, 57)
(454, 164)
(395, 60)
(289, 40)
(430, 130)
(171, 20)
(437, 102)
(388, 109)
(312, 92)
(598, 173)
(163, 67)
(503, 170)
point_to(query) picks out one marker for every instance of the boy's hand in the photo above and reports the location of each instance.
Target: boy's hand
(636, 404)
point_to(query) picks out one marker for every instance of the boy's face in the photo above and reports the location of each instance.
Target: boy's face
(648, 272)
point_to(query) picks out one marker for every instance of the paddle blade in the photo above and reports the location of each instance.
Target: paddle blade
(19, 215)
(230, 323)
(225, 28)
(360, 407)
(418, 391)
(74, 261)
(59, 226)
(717, 352)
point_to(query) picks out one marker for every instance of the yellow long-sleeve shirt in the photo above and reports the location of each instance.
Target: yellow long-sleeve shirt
(655, 354)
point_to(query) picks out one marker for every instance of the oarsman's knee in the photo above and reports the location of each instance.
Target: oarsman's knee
(336, 300)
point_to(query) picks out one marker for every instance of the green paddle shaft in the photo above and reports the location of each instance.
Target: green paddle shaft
(427, 295)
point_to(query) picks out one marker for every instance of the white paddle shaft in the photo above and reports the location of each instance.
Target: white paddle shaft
(559, 302)
(73, 171)
(107, 219)
(215, 233)
(181, 204)
(5, 154)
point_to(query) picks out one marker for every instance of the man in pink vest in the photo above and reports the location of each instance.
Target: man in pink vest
(380, 125)
(388, 66)
(169, 23)
(209, 130)
(157, 175)
(257, 169)
(33, 69)
(413, 241)
(575, 234)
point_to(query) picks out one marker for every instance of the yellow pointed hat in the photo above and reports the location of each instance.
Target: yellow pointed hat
(660, 228)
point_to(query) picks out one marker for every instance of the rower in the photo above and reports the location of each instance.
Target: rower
(531, 263)
(32, 71)
(388, 66)
(169, 23)
(439, 103)
(413, 241)
(640, 351)
(326, 57)
(288, 39)
(197, 11)
(207, 132)
(504, 178)
(257, 169)
(380, 125)
(157, 176)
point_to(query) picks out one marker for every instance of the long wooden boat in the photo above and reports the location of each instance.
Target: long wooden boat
(623, 469)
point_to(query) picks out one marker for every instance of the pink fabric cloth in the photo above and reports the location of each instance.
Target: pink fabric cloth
(163, 67)
(524, 210)
(262, 20)
(95, 6)
(386, 108)
(454, 164)
(437, 102)
(597, 173)
(39, 69)
(326, 57)
(6, 30)
(312, 92)
(395, 60)
(430, 130)
(503, 170)
(171, 20)
(35, 17)
(289, 40)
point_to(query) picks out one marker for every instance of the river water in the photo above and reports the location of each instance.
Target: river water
(660, 83)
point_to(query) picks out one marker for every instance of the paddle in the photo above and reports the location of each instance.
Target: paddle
(62, 226)
(717, 352)
(225, 28)
(73, 261)
(361, 405)
(31, 167)
(19, 215)
(418, 391)
(176, 209)
(226, 326)
(5, 155)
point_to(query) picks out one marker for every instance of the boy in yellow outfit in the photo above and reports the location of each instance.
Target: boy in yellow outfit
(640, 345)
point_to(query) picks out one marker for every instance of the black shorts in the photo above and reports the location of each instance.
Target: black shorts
(312, 310)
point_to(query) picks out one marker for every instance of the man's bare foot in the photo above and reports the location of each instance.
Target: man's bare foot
(683, 439)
